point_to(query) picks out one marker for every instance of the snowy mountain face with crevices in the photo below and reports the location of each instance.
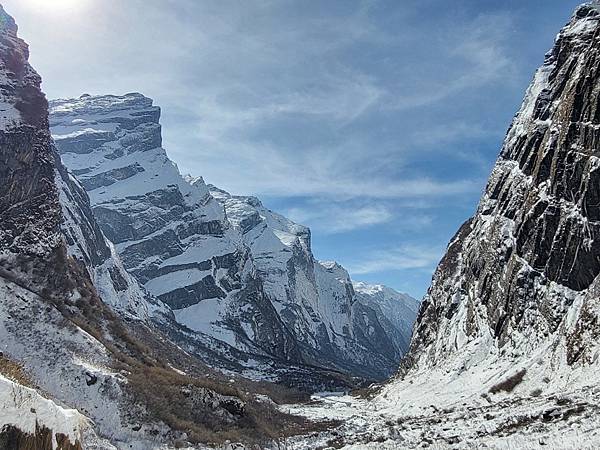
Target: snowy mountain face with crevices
(226, 265)
(173, 237)
(316, 299)
(522, 274)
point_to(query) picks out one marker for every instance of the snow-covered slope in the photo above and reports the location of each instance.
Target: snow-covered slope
(86, 243)
(226, 265)
(25, 410)
(38, 336)
(395, 311)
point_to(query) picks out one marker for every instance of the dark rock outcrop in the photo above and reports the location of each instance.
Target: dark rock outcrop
(12, 438)
(523, 272)
(29, 206)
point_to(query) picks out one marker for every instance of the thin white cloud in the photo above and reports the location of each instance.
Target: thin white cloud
(222, 111)
(479, 49)
(445, 133)
(323, 173)
(327, 216)
(408, 257)
(332, 218)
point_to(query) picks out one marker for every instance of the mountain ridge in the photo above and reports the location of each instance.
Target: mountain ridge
(228, 267)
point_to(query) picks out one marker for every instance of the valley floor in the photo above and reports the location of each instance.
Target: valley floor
(566, 421)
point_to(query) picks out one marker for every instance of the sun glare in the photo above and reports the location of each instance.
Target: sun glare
(56, 6)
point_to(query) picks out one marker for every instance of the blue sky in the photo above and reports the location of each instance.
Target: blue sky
(376, 123)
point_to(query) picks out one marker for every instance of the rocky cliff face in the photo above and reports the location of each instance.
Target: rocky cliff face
(172, 236)
(227, 266)
(40, 203)
(86, 244)
(26, 167)
(521, 277)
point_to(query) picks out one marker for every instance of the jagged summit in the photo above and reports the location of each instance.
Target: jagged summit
(584, 9)
(331, 265)
(371, 289)
(341, 323)
(8, 26)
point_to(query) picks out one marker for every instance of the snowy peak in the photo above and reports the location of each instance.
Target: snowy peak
(109, 109)
(246, 212)
(336, 269)
(104, 118)
(116, 141)
(587, 10)
(396, 312)
(385, 293)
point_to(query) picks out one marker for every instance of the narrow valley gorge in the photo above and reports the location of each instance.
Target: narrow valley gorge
(142, 308)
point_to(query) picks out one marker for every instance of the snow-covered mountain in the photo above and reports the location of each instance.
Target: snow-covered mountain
(395, 311)
(226, 265)
(315, 299)
(43, 289)
(173, 237)
(82, 364)
(521, 276)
